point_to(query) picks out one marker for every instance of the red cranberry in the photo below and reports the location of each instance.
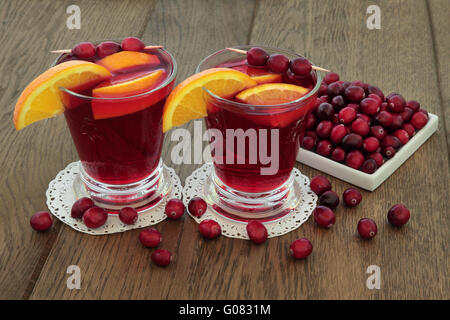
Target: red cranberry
(396, 103)
(335, 119)
(406, 114)
(370, 106)
(360, 127)
(324, 216)
(367, 228)
(331, 77)
(410, 129)
(359, 83)
(301, 248)
(150, 237)
(369, 166)
(308, 143)
(365, 117)
(354, 94)
(310, 121)
(311, 134)
(375, 90)
(323, 89)
(352, 141)
(257, 232)
(346, 84)
(401, 135)
(389, 152)
(384, 107)
(413, 105)
(323, 129)
(338, 133)
(423, 111)
(95, 217)
(257, 56)
(397, 121)
(174, 209)
(161, 257)
(132, 44)
(329, 199)
(337, 102)
(371, 144)
(41, 221)
(325, 111)
(354, 159)
(338, 154)
(80, 206)
(375, 97)
(352, 197)
(107, 48)
(324, 98)
(391, 141)
(378, 132)
(84, 50)
(324, 148)
(353, 106)
(197, 207)
(278, 63)
(319, 185)
(378, 157)
(398, 215)
(128, 215)
(300, 66)
(335, 89)
(347, 115)
(384, 118)
(210, 229)
(419, 120)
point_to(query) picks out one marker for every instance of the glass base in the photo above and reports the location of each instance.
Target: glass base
(141, 195)
(245, 206)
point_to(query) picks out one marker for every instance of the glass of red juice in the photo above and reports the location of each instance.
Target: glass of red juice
(119, 139)
(254, 147)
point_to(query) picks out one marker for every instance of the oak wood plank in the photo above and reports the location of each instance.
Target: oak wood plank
(32, 157)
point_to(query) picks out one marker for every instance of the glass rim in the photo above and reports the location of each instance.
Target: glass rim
(161, 86)
(258, 106)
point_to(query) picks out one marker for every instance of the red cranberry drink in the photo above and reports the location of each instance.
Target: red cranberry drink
(260, 129)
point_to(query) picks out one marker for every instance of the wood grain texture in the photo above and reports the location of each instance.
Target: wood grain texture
(400, 57)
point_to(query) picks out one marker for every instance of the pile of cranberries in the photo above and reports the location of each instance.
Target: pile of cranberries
(354, 123)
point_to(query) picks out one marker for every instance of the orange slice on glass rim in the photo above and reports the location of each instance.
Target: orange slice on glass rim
(271, 94)
(128, 59)
(41, 99)
(187, 101)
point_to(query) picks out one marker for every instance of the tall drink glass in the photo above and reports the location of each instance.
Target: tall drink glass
(254, 148)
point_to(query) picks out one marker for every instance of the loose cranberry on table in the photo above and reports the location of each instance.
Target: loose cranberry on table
(41, 221)
(132, 44)
(329, 199)
(128, 215)
(278, 63)
(300, 66)
(352, 197)
(257, 232)
(80, 206)
(174, 209)
(367, 228)
(398, 215)
(84, 50)
(319, 185)
(324, 216)
(197, 207)
(150, 237)
(301, 248)
(161, 257)
(209, 229)
(107, 48)
(257, 57)
(95, 217)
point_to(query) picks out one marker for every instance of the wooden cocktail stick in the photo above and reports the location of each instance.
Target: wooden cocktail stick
(245, 52)
(69, 50)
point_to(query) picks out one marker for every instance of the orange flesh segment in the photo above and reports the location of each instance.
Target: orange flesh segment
(41, 99)
(271, 93)
(128, 59)
(130, 87)
(267, 78)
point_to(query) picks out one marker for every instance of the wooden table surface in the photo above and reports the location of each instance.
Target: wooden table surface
(409, 54)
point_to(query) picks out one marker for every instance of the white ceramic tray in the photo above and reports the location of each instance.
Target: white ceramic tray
(370, 181)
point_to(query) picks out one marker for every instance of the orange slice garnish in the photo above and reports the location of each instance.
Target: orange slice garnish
(271, 93)
(130, 87)
(128, 59)
(268, 78)
(187, 101)
(41, 99)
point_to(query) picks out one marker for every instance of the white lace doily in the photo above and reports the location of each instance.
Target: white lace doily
(61, 196)
(234, 229)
